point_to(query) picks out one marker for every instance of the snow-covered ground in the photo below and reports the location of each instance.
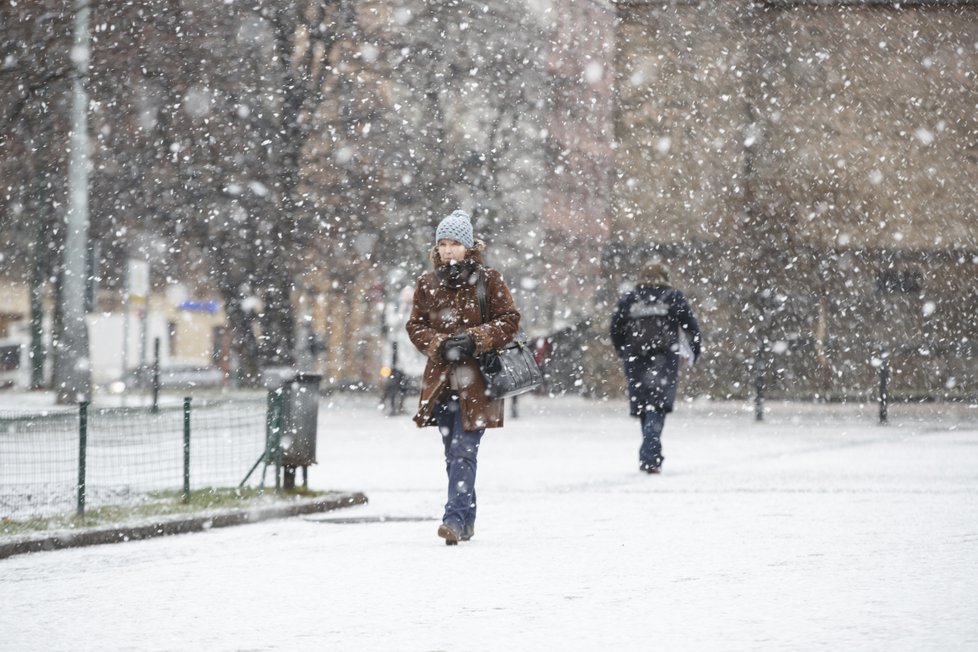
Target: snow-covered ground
(815, 530)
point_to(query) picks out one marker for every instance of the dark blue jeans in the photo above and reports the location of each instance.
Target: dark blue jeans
(651, 450)
(461, 452)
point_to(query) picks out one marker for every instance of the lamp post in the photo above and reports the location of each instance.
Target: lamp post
(73, 373)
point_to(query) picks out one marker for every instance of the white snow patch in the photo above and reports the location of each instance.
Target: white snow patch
(250, 303)
(593, 72)
(197, 102)
(924, 135)
(574, 548)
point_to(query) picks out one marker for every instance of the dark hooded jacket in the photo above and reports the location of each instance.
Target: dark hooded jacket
(445, 304)
(652, 378)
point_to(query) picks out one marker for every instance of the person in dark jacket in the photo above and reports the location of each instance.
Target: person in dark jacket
(446, 325)
(651, 327)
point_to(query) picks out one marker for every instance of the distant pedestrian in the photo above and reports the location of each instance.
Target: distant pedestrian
(651, 327)
(395, 390)
(542, 354)
(446, 325)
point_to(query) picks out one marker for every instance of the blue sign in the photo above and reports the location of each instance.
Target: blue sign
(210, 307)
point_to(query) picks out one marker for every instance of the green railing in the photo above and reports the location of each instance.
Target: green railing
(58, 461)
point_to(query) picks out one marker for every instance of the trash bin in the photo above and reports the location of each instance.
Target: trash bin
(300, 413)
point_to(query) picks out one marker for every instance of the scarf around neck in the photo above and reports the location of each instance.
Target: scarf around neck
(460, 274)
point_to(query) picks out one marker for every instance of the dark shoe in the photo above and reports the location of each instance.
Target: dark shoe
(449, 533)
(468, 532)
(649, 468)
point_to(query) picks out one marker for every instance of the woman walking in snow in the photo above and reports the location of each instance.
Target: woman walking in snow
(446, 325)
(650, 327)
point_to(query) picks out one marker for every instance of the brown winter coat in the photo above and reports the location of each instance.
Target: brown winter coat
(441, 311)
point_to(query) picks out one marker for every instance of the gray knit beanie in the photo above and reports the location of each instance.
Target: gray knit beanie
(457, 227)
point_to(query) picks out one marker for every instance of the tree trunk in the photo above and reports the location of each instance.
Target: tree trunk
(278, 320)
(243, 340)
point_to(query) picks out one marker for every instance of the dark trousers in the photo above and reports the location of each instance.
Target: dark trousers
(461, 460)
(651, 450)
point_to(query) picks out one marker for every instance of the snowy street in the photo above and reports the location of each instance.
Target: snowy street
(815, 530)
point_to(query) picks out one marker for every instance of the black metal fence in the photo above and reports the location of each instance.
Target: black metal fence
(59, 461)
(874, 371)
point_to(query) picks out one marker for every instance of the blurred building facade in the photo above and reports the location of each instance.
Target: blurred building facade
(809, 170)
(807, 167)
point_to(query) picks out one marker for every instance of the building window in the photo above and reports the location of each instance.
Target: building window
(898, 281)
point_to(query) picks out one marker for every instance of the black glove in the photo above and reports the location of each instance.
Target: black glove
(457, 347)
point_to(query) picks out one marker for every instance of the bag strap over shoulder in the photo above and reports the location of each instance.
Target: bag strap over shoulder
(480, 291)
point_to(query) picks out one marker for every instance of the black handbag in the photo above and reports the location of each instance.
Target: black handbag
(511, 370)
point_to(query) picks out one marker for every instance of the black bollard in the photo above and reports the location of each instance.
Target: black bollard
(759, 381)
(884, 384)
(156, 375)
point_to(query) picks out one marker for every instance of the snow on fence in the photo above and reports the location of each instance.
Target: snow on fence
(63, 460)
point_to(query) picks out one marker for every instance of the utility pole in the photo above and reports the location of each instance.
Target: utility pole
(37, 297)
(42, 213)
(73, 378)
